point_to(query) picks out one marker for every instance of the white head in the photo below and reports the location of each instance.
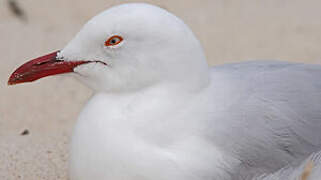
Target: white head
(150, 46)
(156, 47)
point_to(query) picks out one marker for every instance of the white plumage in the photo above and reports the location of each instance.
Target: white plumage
(160, 113)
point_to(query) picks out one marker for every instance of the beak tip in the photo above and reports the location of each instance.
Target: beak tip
(11, 81)
(28, 71)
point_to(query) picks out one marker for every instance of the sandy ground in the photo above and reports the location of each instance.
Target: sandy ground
(230, 30)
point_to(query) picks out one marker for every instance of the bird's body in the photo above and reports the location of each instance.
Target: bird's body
(159, 112)
(252, 118)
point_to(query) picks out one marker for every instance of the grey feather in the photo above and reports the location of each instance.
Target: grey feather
(309, 169)
(274, 114)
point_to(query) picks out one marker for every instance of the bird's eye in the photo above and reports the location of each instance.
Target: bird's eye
(114, 40)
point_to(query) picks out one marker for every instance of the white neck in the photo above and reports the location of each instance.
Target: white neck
(142, 134)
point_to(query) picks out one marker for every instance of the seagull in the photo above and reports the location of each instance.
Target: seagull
(160, 112)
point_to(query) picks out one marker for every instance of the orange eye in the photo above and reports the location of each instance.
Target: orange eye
(114, 40)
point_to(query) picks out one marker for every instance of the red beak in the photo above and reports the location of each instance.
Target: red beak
(41, 67)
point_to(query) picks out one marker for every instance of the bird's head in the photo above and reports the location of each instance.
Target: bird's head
(127, 47)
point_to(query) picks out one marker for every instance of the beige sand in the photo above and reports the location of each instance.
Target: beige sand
(230, 30)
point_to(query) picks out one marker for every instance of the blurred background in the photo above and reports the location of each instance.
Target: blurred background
(36, 119)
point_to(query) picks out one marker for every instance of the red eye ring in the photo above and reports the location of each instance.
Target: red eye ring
(114, 40)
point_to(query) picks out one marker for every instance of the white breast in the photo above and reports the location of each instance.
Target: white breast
(139, 137)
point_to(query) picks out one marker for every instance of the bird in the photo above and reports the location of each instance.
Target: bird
(160, 112)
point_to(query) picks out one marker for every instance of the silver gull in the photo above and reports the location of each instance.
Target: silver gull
(160, 112)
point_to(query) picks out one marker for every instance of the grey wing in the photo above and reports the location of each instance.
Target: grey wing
(309, 169)
(291, 95)
(276, 117)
